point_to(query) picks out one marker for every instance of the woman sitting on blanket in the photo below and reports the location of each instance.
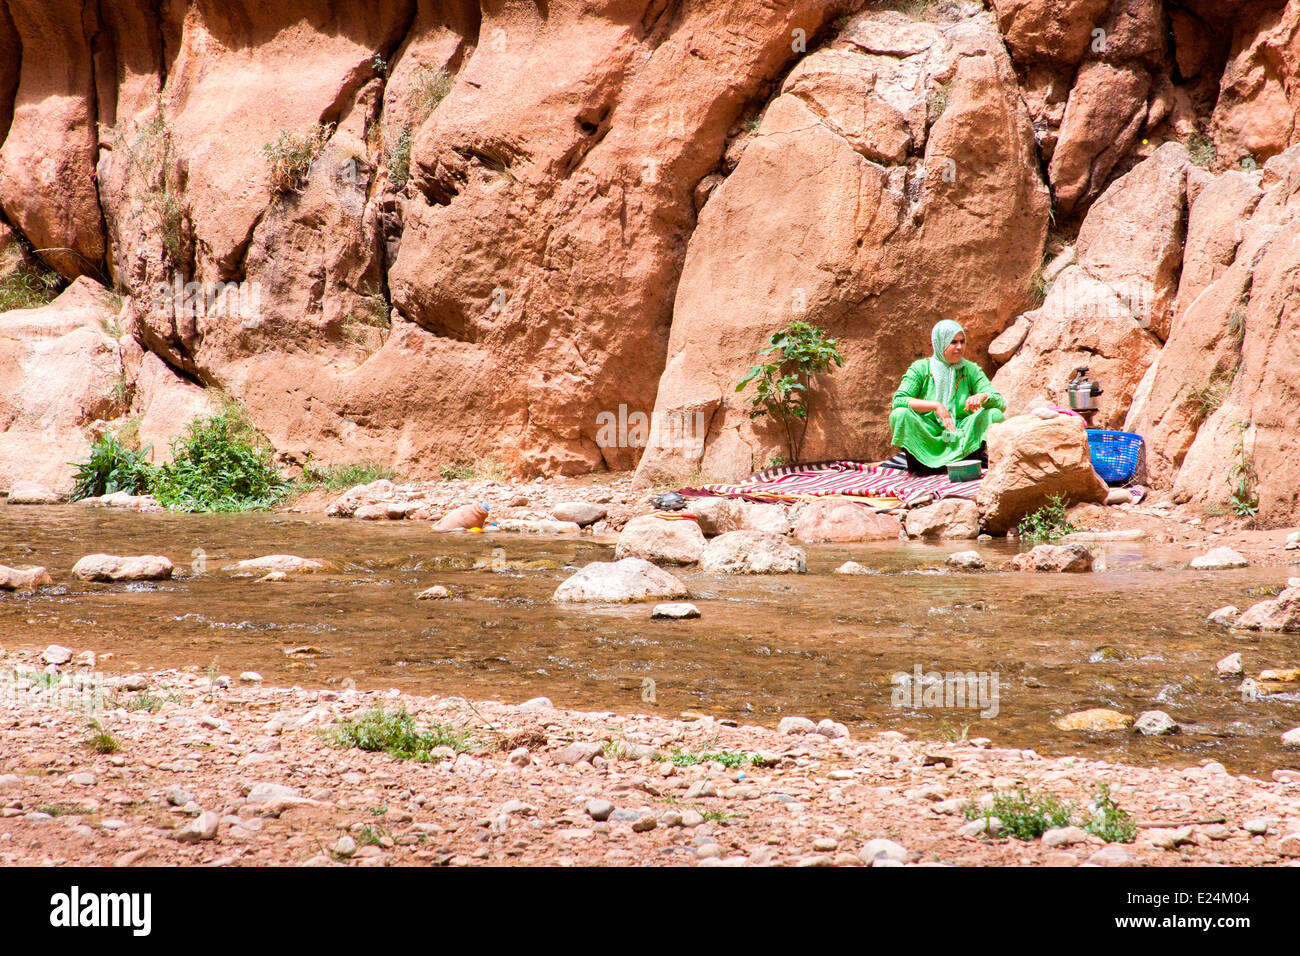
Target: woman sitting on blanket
(944, 406)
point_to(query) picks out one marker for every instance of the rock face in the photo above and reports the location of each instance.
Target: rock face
(579, 216)
(752, 552)
(631, 579)
(664, 541)
(31, 493)
(1030, 460)
(812, 182)
(842, 521)
(110, 567)
(949, 518)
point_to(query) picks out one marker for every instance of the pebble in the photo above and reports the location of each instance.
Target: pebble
(1230, 666)
(1219, 559)
(437, 592)
(1257, 826)
(579, 752)
(880, 847)
(82, 779)
(967, 561)
(345, 847)
(678, 611)
(1155, 723)
(202, 827)
(1112, 855)
(599, 809)
(1224, 616)
(1064, 836)
(1170, 838)
(56, 654)
(520, 757)
(796, 725)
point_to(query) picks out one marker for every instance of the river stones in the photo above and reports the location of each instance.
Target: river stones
(1230, 666)
(28, 577)
(1097, 720)
(1291, 738)
(836, 520)
(629, 579)
(112, 567)
(31, 493)
(1224, 616)
(674, 612)
(581, 513)
(752, 552)
(1280, 614)
(662, 540)
(717, 515)
(278, 562)
(1220, 559)
(950, 518)
(1155, 723)
(966, 561)
(1053, 558)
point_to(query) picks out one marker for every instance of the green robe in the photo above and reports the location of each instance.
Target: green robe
(922, 435)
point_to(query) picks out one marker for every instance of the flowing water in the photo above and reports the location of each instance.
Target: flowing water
(1130, 638)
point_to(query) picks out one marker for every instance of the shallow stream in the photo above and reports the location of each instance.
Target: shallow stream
(1130, 638)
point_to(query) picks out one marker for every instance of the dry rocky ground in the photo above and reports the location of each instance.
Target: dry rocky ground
(228, 772)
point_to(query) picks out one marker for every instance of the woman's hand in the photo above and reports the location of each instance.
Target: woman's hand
(976, 402)
(945, 416)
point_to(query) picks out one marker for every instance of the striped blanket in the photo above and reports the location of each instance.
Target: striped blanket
(859, 480)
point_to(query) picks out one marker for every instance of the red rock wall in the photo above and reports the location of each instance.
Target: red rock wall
(617, 202)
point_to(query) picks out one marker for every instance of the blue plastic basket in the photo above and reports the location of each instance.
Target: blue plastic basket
(1114, 454)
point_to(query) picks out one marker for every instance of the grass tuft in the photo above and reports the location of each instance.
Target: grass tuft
(395, 733)
(292, 154)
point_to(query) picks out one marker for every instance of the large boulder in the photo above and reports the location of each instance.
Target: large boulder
(1282, 613)
(617, 582)
(839, 521)
(25, 578)
(718, 515)
(1069, 558)
(662, 540)
(948, 518)
(111, 567)
(1031, 460)
(752, 552)
(1052, 31)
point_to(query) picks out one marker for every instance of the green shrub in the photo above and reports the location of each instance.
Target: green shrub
(1025, 815)
(1109, 821)
(395, 733)
(220, 464)
(292, 154)
(343, 477)
(1048, 523)
(1201, 149)
(783, 386)
(112, 467)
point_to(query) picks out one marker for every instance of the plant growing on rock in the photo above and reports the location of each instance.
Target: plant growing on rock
(1048, 523)
(292, 154)
(429, 87)
(112, 467)
(28, 288)
(1242, 478)
(1201, 148)
(783, 385)
(397, 157)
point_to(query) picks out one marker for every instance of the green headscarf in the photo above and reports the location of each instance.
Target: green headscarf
(945, 375)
